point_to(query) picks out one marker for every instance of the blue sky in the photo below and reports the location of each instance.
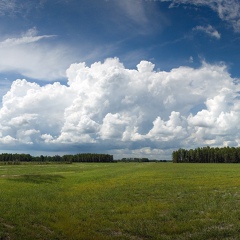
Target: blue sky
(158, 75)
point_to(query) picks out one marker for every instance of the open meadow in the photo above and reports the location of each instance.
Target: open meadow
(119, 201)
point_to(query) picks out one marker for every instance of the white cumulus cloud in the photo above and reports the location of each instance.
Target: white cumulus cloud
(108, 107)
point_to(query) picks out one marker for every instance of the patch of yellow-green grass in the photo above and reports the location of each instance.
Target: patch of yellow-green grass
(120, 201)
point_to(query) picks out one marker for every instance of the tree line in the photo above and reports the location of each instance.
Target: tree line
(140, 160)
(207, 155)
(134, 160)
(80, 157)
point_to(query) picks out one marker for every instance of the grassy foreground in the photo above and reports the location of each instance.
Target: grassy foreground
(120, 201)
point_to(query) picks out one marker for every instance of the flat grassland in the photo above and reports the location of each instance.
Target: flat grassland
(120, 201)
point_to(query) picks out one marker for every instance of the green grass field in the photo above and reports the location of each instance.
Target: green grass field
(120, 201)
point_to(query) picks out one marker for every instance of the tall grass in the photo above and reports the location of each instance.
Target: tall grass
(120, 201)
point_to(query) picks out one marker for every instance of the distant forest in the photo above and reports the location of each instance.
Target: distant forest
(140, 160)
(207, 155)
(81, 157)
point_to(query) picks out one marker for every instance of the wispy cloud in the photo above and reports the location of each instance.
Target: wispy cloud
(134, 10)
(227, 10)
(17, 7)
(209, 30)
(30, 56)
(140, 16)
(29, 37)
(7, 6)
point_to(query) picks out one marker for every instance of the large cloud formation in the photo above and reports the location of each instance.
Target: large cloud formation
(107, 107)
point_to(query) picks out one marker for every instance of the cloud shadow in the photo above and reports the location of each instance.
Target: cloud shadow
(36, 178)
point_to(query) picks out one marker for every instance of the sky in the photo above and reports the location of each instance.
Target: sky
(132, 78)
